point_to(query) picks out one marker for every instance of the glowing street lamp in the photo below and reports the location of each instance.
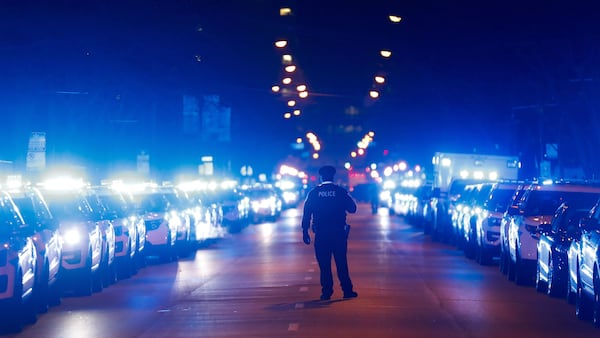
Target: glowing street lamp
(379, 79)
(287, 115)
(291, 103)
(301, 88)
(395, 18)
(374, 94)
(280, 43)
(385, 53)
(285, 11)
(290, 68)
(275, 88)
(287, 80)
(297, 112)
(303, 95)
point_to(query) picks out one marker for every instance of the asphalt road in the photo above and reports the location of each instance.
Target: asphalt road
(264, 282)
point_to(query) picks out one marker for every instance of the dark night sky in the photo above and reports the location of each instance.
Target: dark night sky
(458, 71)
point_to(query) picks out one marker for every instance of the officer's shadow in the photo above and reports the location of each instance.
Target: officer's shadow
(308, 304)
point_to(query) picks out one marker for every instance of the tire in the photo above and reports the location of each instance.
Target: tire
(55, 292)
(502, 265)
(484, 256)
(555, 286)
(570, 295)
(85, 288)
(15, 320)
(510, 269)
(169, 252)
(126, 266)
(582, 304)
(109, 272)
(41, 292)
(596, 302)
(540, 286)
(521, 276)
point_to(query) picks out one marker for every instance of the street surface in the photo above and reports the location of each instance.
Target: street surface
(264, 282)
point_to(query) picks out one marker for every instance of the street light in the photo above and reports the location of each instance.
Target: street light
(385, 53)
(395, 18)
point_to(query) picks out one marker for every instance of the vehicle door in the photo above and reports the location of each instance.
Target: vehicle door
(590, 240)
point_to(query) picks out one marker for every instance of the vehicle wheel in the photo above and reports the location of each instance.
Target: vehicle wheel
(55, 292)
(582, 306)
(555, 285)
(125, 267)
(484, 256)
(469, 246)
(596, 304)
(503, 261)
(540, 286)
(570, 295)
(98, 276)
(169, 252)
(15, 321)
(520, 278)
(510, 269)
(41, 292)
(86, 287)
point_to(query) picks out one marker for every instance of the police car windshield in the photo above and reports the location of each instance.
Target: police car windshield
(500, 198)
(546, 202)
(10, 222)
(31, 213)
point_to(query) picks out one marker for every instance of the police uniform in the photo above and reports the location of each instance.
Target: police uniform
(326, 206)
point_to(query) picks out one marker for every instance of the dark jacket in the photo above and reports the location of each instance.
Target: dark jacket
(326, 206)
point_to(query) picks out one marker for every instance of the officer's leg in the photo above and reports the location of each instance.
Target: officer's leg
(323, 254)
(341, 262)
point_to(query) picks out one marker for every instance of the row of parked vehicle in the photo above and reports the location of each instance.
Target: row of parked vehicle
(58, 239)
(541, 233)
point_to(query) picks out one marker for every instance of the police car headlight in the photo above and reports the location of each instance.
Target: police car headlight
(72, 236)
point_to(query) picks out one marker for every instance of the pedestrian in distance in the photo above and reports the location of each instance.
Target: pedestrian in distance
(325, 210)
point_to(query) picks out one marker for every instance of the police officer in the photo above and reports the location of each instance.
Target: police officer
(325, 209)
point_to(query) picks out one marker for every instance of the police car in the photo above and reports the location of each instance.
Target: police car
(47, 241)
(82, 240)
(537, 206)
(18, 260)
(161, 220)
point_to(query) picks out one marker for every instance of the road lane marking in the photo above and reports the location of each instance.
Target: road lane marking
(293, 327)
(311, 270)
(307, 278)
(304, 289)
(299, 306)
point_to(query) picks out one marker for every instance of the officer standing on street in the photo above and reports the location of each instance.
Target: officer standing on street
(325, 209)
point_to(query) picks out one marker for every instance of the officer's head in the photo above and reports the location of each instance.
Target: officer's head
(327, 172)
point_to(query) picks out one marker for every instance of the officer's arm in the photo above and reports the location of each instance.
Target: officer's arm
(306, 214)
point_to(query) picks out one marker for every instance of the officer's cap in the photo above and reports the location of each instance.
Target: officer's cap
(327, 171)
